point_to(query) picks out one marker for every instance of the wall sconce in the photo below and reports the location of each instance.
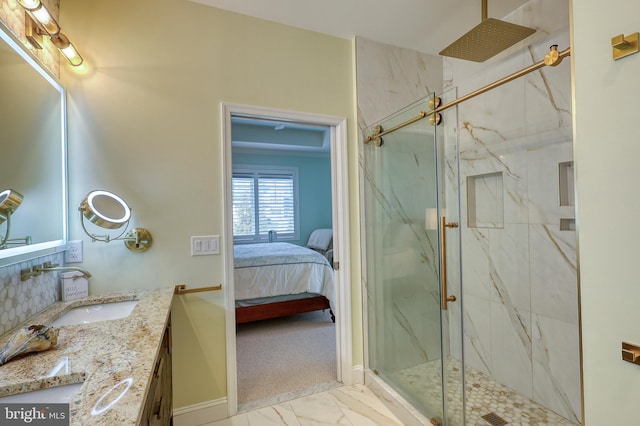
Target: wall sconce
(10, 200)
(106, 210)
(39, 22)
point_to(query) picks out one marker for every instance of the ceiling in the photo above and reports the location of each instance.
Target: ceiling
(254, 135)
(424, 25)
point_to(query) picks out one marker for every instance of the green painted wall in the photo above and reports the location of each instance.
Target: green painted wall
(144, 122)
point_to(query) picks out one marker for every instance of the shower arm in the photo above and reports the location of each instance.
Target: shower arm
(553, 58)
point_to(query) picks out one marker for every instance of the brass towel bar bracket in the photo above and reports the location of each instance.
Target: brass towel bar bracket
(182, 289)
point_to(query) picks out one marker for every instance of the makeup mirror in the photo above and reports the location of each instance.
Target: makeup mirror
(10, 200)
(32, 131)
(108, 211)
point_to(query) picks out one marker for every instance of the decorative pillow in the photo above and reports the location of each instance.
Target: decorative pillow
(321, 239)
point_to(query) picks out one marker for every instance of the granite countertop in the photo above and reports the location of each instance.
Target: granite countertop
(113, 359)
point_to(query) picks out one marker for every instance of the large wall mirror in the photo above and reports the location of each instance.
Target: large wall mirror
(32, 155)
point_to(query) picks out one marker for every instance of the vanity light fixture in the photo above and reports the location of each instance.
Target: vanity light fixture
(39, 22)
(107, 210)
(67, 49)
(41, 15)
(10, 200)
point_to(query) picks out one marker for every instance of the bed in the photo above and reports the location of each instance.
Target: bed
(279, 279)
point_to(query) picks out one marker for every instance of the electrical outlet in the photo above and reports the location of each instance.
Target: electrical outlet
(73, 254)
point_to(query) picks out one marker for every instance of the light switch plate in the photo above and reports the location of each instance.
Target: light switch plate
(205, 245)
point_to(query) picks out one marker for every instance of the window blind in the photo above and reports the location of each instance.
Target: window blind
(263, 201)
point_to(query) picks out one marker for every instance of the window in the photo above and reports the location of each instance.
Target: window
(264, 199)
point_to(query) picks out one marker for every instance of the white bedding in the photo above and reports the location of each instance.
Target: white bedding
(274, 269)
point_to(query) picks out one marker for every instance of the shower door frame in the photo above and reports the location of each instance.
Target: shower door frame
(445, 336)
(553, 59)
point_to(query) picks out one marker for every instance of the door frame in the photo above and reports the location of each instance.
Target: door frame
(341, 235)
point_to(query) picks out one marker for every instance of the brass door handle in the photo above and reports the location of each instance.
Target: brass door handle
(443, 256)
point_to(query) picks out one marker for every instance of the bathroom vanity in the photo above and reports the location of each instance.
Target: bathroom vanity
(123, 365)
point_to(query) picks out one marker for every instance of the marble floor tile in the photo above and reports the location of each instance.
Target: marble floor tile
(483, 396)
(346, 405)
(357, 406)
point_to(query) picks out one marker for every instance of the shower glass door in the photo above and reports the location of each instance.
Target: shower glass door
(409, 335)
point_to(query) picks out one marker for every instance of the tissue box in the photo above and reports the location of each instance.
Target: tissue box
(74, 286)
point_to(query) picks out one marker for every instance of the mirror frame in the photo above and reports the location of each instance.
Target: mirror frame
(18, 254)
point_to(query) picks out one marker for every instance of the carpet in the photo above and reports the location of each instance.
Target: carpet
(285, 355)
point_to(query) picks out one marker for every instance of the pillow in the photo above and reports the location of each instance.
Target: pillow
(320, 239)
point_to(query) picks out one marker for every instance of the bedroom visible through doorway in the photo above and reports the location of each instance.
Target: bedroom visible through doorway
(280, 195)
(284, 237)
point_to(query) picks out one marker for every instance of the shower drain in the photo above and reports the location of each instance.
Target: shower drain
(494, 420)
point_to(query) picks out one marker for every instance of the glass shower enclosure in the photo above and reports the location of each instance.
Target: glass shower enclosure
(412, 270)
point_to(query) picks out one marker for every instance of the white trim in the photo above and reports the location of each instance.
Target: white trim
(342, 248)
(201, 414)
(357, 375)
(363, 258)
(341, 235)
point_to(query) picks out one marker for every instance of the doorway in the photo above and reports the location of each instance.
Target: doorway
(337, 140)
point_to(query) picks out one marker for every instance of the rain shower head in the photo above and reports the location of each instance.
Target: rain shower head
(487, 39)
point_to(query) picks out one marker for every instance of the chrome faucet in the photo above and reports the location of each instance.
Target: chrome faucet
(25, 274)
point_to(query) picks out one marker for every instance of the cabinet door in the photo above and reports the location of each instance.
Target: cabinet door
(159, 402)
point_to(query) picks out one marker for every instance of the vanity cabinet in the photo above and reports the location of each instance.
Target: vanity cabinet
(158, 406)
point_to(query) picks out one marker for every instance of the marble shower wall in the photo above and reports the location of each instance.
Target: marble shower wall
(519, 268)
(389, 78)
(399, 251)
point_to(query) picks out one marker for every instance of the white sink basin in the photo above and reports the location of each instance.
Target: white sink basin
(94, 313)
(56, 395)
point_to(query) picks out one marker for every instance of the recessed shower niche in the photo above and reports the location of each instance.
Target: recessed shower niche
(566, 192)
(485, 201)
(566, 184)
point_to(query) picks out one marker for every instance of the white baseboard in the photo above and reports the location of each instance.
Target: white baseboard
(357, 374)
(208, 412)
(201, 414)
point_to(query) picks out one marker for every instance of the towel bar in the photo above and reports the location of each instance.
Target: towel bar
(182, 289)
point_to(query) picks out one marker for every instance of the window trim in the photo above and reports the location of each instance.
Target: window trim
(255, 169)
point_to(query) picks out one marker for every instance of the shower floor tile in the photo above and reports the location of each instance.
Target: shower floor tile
(483, 394)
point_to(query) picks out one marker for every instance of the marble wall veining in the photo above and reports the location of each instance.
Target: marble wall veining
(388, 79)
(518, 266)
(519, 270)
(21, 300)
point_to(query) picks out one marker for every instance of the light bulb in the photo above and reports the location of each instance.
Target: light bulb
(45, 19)
(29, 4)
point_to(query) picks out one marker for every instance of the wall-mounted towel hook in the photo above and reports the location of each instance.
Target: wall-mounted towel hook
(624, 45)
